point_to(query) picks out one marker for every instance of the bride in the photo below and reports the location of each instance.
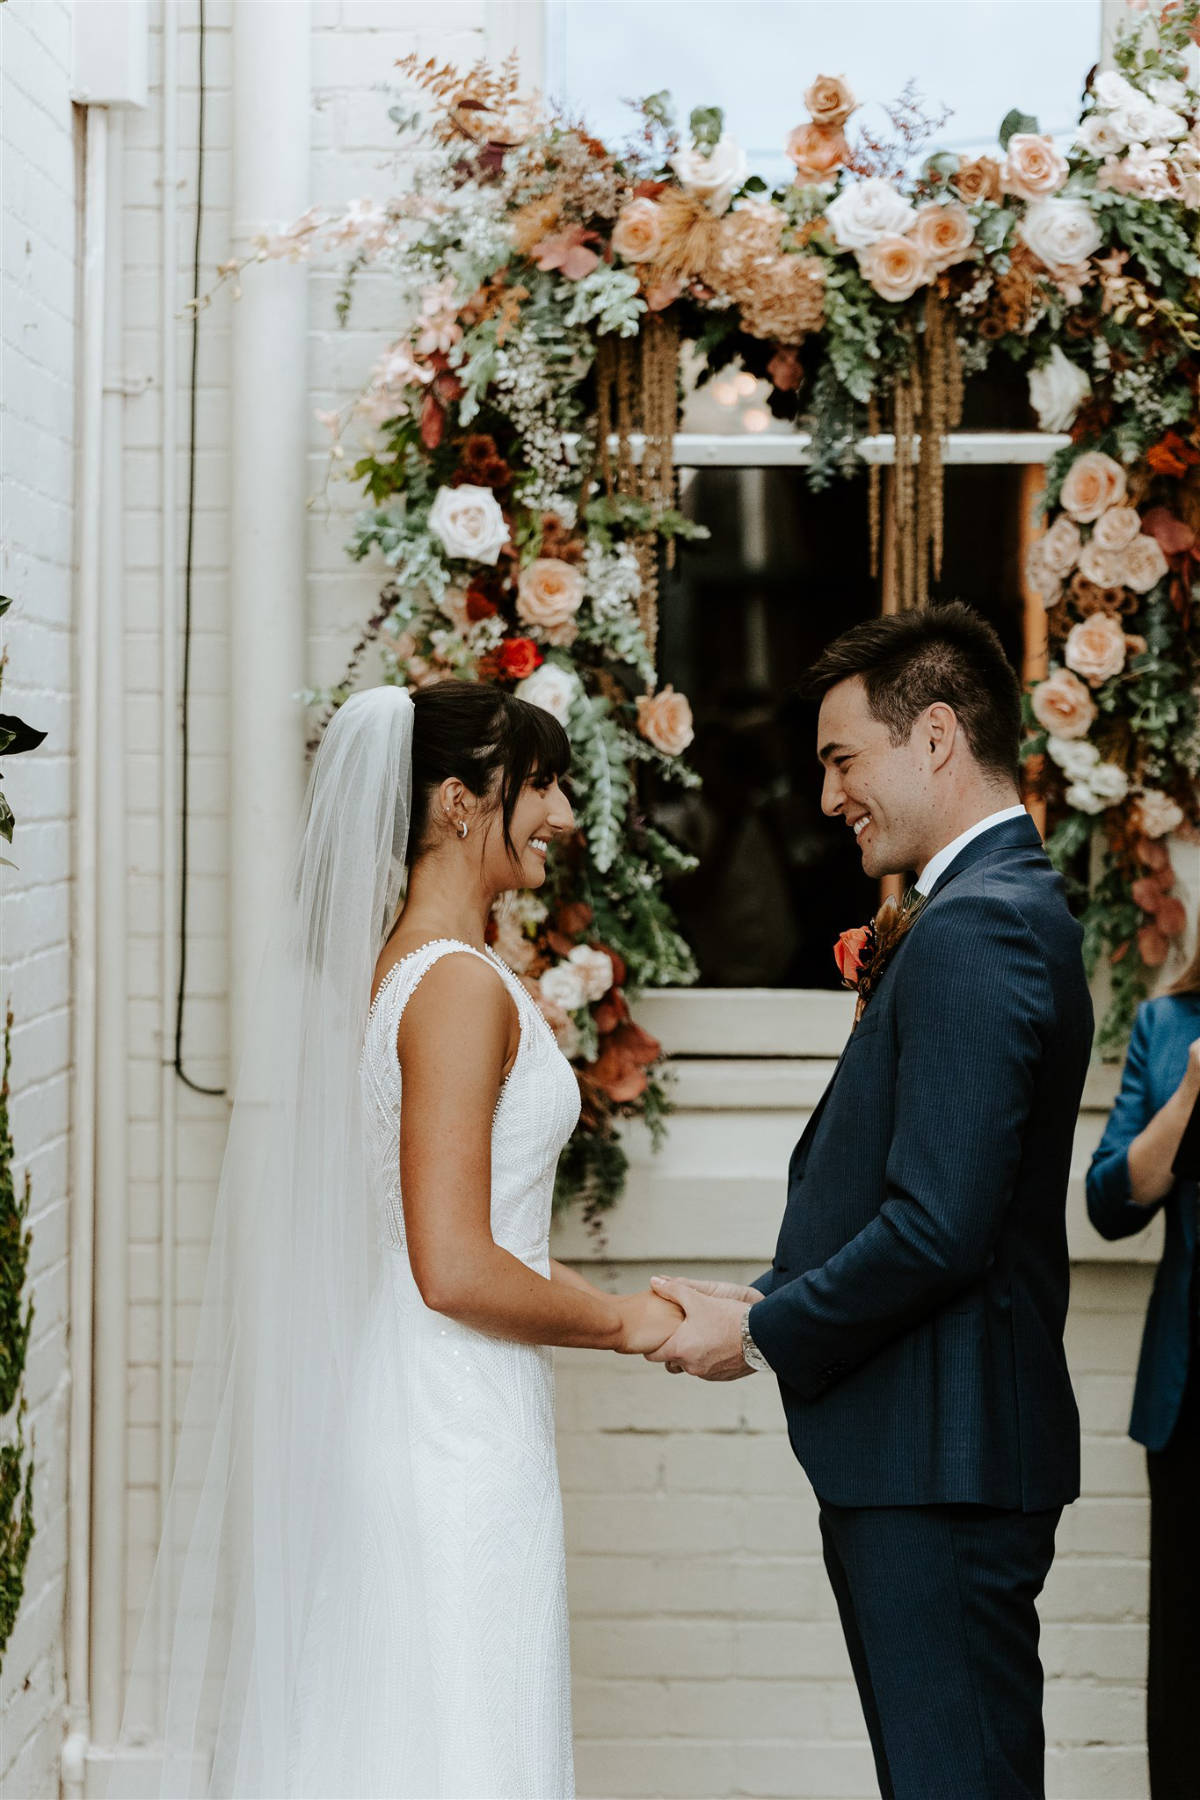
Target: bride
(360, 1589)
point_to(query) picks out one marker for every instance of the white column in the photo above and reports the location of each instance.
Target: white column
(269, 424)
(85, 923)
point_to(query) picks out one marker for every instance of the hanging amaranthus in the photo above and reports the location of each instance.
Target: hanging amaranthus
(637, 393)
(926, 405)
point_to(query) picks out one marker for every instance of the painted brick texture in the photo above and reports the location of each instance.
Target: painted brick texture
(37, 440)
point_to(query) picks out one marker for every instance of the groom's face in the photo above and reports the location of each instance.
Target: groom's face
(880, 789)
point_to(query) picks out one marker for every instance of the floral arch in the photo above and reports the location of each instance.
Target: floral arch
(514, 446)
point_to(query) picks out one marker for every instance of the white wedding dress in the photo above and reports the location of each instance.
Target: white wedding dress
(435, 1663)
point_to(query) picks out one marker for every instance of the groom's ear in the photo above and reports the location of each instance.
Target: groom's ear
(940, 730)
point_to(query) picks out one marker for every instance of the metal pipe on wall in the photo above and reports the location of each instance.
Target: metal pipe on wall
(169, 768)
(269, 433)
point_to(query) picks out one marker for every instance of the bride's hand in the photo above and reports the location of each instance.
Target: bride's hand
(647, 1321)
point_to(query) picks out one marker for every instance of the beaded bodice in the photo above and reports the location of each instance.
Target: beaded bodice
(536, 1109)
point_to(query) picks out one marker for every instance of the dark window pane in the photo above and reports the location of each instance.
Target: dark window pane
(741, 618)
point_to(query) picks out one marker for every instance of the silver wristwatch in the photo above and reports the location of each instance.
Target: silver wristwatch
(750, 1350)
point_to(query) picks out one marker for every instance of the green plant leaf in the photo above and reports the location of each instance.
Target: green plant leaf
(1014, 122)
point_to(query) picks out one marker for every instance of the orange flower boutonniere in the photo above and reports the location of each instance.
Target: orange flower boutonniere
(863, 953)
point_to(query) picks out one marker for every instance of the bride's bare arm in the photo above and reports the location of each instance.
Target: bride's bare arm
(457, 1038)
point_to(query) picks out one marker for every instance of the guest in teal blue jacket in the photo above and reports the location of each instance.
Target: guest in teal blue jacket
(1130, 1179)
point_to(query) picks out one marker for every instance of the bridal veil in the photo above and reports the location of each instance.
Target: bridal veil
(260, 1486)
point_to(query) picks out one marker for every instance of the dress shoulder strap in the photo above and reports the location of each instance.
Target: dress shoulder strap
(404, 977)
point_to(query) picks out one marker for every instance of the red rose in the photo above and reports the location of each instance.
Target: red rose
(519, 657)
(847, 954)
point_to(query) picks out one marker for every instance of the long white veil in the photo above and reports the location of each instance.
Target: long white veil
(259, 1485)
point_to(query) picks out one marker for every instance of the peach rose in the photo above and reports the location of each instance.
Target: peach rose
(895, 267)
(549, 592)
(977, 179)
(1153, 946)
(1144, 564)
(829, 100)
(638, 233)
(1094, 483)
(944, 232)
(665, 720)
(1061, 545)
(1033, 168)
(816, 150)
(1117, 528)
(1095, 648)
(1062, 705)
(1104, 567)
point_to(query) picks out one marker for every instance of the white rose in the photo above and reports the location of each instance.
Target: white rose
(867, 211)
(1076, 757)
(467, 522)
(1112, 89)
(1060, 546)
(1168, 90)
(1098, 136)
(1083, 799)
(594, 968)
(1143, 122)
(1061, 233)
(1157, 813)
(714, 178)
(1109, 782)
(1102, 566)
(552, 688)
(1057, 390)
(563, 986)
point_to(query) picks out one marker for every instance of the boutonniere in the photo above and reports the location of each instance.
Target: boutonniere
(863, 953)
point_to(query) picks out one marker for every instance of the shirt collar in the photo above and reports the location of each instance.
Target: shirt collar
(937, 864)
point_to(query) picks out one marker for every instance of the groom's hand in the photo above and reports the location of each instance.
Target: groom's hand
(709, 1341)
(730, 1290)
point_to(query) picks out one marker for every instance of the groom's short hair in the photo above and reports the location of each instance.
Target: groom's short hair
(908, 661)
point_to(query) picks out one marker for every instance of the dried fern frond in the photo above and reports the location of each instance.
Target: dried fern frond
(483, 88)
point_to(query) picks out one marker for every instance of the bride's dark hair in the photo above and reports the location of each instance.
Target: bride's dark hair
(469, 731)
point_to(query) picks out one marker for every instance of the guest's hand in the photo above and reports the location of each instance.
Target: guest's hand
(648, 1320)
(709, 1341)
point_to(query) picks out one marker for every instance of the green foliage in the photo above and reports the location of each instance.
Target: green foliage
(706, 125)
(1014, 122)
(16, 1321)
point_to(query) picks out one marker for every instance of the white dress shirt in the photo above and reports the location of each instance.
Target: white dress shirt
(934, 867)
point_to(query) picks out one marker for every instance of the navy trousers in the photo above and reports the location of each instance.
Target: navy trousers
(938, 1607)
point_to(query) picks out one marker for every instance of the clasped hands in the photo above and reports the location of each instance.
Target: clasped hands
(698, 1325)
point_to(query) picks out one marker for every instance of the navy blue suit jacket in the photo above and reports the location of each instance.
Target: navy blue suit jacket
(914, 1311)
(1154, 1068)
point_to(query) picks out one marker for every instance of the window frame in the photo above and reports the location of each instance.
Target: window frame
(764, 1022)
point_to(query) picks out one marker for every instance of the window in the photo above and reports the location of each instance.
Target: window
(785, 569)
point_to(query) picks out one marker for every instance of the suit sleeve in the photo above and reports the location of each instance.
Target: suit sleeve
(968, 1015)
(1110, 1206)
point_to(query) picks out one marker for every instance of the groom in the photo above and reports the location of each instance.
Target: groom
(914, 1311)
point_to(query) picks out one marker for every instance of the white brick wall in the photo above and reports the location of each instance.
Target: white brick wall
(37, 425)
(708, 1661)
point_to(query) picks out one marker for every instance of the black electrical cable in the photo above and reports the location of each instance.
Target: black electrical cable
(185, 697)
